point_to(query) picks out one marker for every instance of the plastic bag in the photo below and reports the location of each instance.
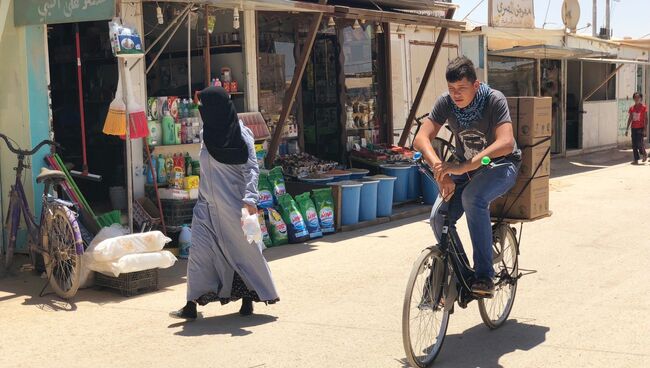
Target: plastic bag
(266, 238)
(116, 247)
(296, 228)
(309, 214)
(251, 226)
(265, 190)
(277, 228)
(276, 178)
(325, 207)
(87, 276)
(135, 263)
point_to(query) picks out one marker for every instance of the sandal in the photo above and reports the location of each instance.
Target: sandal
(188, 312)
(483, 287)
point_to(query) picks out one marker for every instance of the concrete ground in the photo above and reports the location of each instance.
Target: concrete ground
(586, 306)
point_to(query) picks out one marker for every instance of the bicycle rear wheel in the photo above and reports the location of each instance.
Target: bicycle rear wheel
(424, 318)
(495, 311)
(61, 240)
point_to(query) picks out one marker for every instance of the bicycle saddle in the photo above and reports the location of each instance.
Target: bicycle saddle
(50, 174)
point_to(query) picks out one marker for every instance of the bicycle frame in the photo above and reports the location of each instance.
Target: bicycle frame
(18, 206)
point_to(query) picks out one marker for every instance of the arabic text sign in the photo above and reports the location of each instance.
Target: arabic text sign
(512, 13)
(28, 12)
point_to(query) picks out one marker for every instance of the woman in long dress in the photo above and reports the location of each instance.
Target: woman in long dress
(223, 266)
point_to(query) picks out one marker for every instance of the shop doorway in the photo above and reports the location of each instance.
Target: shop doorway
(551, 87)
(105, 154)
(574, 105)
(320, 97)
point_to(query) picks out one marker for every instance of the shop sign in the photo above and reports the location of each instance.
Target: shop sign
(511, 13)
(29, 12)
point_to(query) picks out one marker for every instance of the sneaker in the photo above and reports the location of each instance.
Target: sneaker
(483, 287)
(188, 312)
(645, 157)
(635, 162)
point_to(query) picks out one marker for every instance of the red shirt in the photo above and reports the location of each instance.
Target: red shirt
(638, 113)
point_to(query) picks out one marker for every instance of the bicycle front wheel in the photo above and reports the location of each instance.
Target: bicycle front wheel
(424, 318)
(495, 311)
(61, 240)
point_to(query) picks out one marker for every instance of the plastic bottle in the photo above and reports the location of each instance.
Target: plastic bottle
(169, 169)
(151, 174)
(184, 242)
(168, 129)
(177, 132)
(184, 131)
(161, 173)
(188, 164)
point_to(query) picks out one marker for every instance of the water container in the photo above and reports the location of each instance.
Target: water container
(414, 186)
(368, 202)
(385, 192)
(351, 197)
(184, 242)
(402, 173)
(429, 190)
(339, 176)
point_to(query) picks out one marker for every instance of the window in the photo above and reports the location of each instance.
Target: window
(594, 74)
(512, 76)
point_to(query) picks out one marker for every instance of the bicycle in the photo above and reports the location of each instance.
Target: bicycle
(57, 237)
(442, 276)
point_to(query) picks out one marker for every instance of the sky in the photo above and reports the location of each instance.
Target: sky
(628, 17)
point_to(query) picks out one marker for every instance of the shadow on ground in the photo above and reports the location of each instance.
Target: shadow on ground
(231, 324)
(480, 347)
(589, 162)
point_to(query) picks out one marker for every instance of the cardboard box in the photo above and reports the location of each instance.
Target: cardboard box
(533, 156)
(532, 118)
(533, 202)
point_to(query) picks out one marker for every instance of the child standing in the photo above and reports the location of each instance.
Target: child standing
(638, 119)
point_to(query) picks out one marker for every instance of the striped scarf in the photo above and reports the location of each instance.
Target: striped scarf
(474, 111)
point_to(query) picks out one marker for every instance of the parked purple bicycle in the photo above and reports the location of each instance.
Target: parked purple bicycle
(57, 236)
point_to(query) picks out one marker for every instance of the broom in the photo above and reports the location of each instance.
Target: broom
(115, 123)
(138, 126)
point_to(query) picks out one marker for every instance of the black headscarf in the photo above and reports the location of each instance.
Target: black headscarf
(221, 130)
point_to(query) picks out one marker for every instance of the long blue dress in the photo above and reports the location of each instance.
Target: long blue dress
(223, 266)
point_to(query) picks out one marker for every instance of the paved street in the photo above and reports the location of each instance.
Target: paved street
(586, 306)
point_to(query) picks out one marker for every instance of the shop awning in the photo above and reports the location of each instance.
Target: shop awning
(616, 61)
(401, 12)
(546, 52)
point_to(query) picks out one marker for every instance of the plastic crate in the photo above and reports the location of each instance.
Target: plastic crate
(130, 284)
(178, 212)
(145, 215)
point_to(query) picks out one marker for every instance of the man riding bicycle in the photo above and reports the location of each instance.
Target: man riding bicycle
(479, 119)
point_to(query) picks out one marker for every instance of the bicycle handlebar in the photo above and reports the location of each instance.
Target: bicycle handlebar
(26, 152)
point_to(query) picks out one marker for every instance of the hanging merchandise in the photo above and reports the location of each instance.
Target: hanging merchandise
(309, 214)
(277, 228)
(296, 228)
(265, 190)
(124, 40)
(115, 123)
(138, 127)
(325, 206)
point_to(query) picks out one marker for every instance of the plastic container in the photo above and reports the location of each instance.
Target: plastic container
(339, 176)
(350, 200)
(429, 190)
(168, 129)
(318, 180)
(357, 174)
(368, 202)
(401, 188)
(184, 242)
(385, 191)
(414, 186)
(129, 284)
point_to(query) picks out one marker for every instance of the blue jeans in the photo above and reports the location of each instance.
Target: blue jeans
(473, 197)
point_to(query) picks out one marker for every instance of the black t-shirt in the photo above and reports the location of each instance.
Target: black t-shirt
(481, 133)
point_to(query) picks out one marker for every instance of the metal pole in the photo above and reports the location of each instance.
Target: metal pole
(608, 8)
(189, 55)
(594, 16)
(129, 174)
(153, 62)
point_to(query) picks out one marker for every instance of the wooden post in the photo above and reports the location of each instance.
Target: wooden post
(610, 76)
(290, 94)
(425, 80)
